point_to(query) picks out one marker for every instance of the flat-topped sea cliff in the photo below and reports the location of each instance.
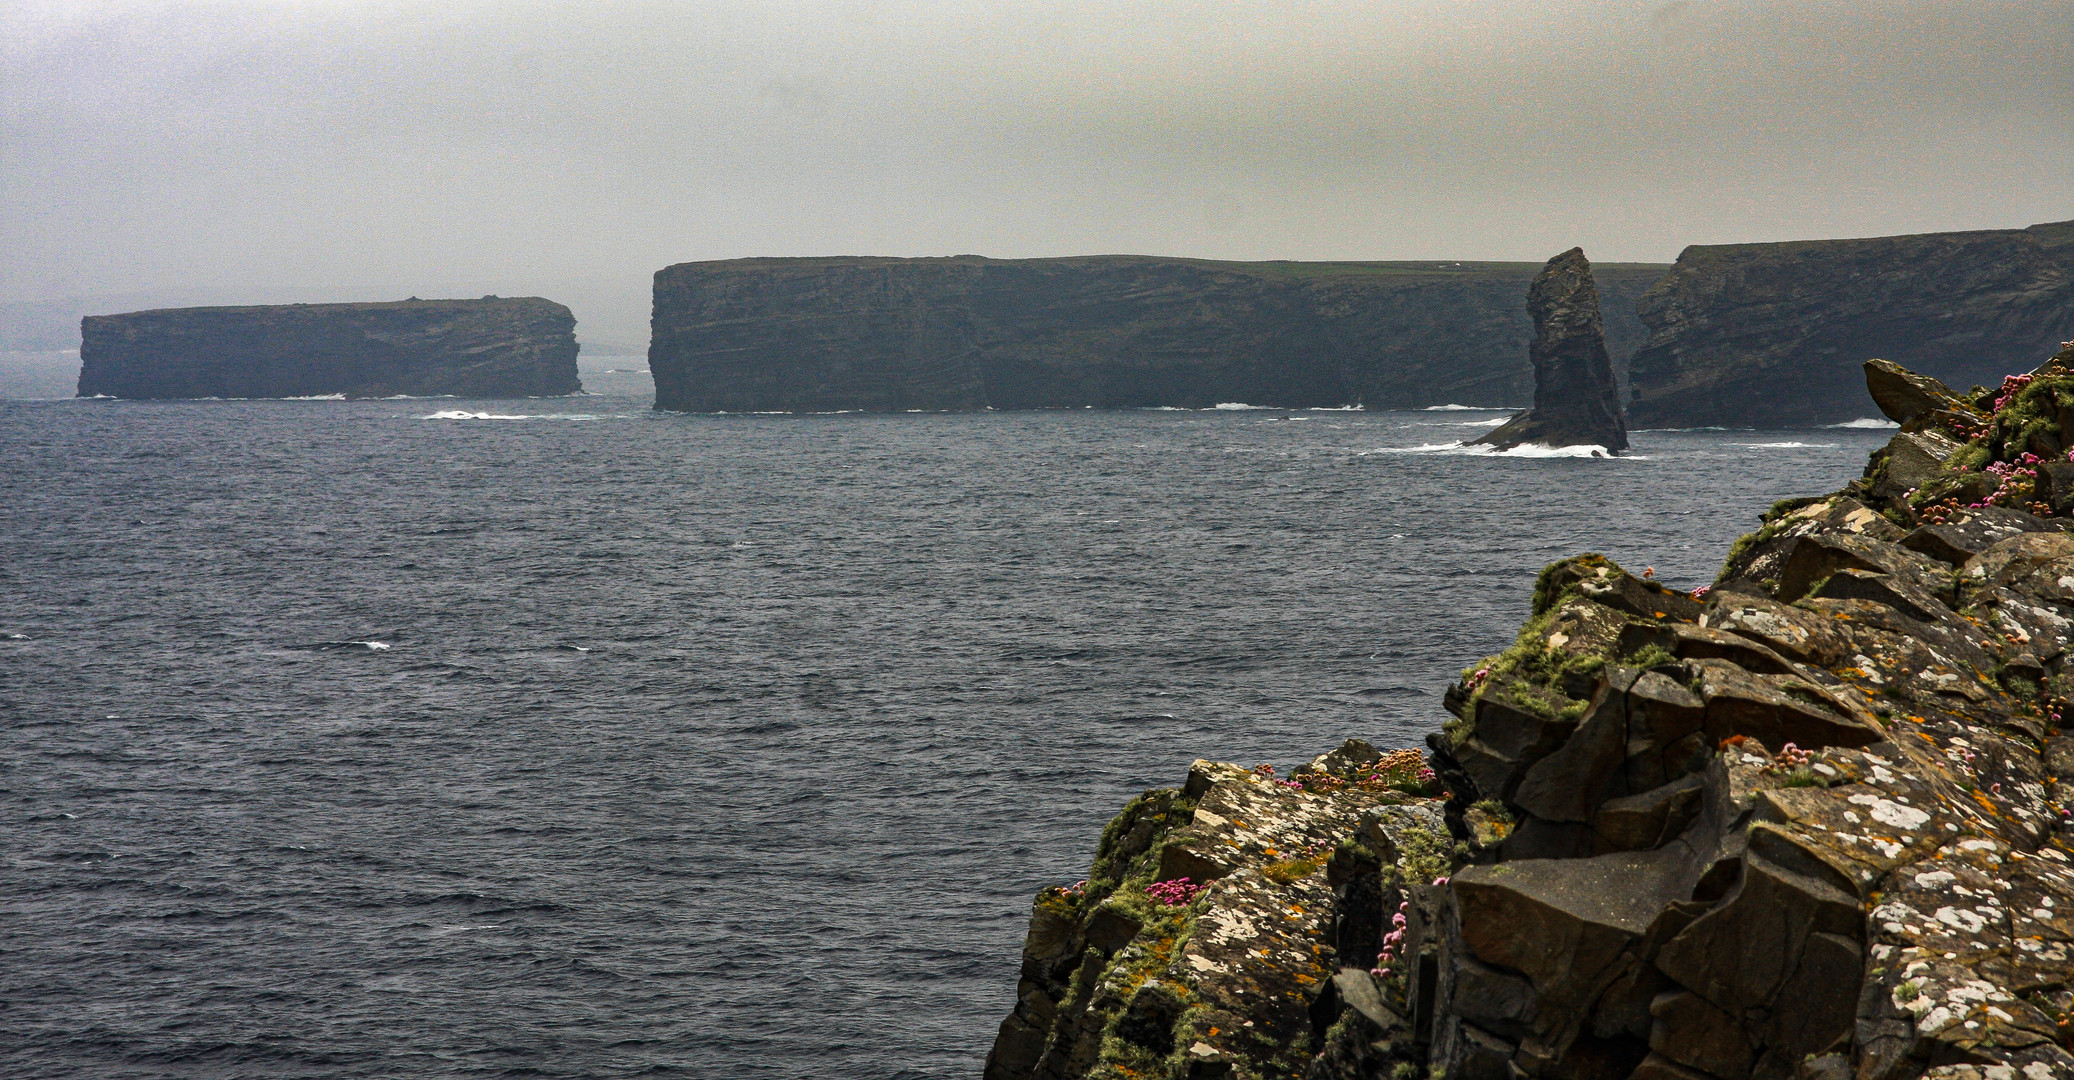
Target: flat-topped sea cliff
(491, 347)
(1122, 331)
(1772, 335)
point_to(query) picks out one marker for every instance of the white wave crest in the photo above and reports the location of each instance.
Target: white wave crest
(1480, 423)
(1524, 450)
(315, 397)
(1429, 448)
(1872, 423)
(1535, 450)
(1789, 445)
(1470, 408)
(333, 646)
(464, 414)
(1238, 406)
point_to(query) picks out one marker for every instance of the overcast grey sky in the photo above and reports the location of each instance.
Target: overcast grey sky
(380, 147)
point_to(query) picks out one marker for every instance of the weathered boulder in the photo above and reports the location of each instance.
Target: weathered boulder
(1905, 396)
(1955, 542)
(492, 347)
(1915, 458)
(1576, 402)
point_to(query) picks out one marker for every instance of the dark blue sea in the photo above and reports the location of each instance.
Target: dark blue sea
(561, 738)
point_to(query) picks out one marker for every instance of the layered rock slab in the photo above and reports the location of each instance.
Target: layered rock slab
(492, 347)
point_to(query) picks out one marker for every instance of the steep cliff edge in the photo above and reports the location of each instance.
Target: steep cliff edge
(1811, 822)
(1576, 402)
(1771, 335)
(492, 347)
(820, 335)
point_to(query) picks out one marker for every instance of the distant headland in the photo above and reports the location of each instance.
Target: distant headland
(1744, 335)
(1748, 335)
(492, 347)
(1117, 331)
(1774, 335)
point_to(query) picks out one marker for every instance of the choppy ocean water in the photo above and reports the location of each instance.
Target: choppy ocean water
(561, 738)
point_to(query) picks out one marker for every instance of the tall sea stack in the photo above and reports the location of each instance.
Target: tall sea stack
(492, 347)
(1576, 402)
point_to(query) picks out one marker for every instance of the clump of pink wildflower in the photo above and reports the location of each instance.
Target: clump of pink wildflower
(1177, 892)
(2012, 385)
(1789, 758)
(1400, 770)
(1393, 943)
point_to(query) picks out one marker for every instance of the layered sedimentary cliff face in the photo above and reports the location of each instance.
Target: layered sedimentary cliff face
(492, 347)
(1111, 332)
(1767, 335)
(1810, 823)
(1576, 401)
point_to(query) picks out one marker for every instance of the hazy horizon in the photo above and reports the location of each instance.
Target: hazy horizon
(341, 150)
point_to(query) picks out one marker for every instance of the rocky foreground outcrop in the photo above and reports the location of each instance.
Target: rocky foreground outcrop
(492, 347)
(1811, 822)
(888, 335)
(1771, 335)
(1576, 401)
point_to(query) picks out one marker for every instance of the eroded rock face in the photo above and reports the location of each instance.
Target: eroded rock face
(1118, 979)
(887, 335)
(1576, 402)
(1811, 824)
(1772, 335)
(492, 347)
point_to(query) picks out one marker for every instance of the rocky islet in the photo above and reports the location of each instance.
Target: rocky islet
(491, 347)
(1810, 822)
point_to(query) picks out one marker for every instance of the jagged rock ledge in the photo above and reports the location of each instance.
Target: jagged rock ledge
(1810, 823)
(492, 347)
